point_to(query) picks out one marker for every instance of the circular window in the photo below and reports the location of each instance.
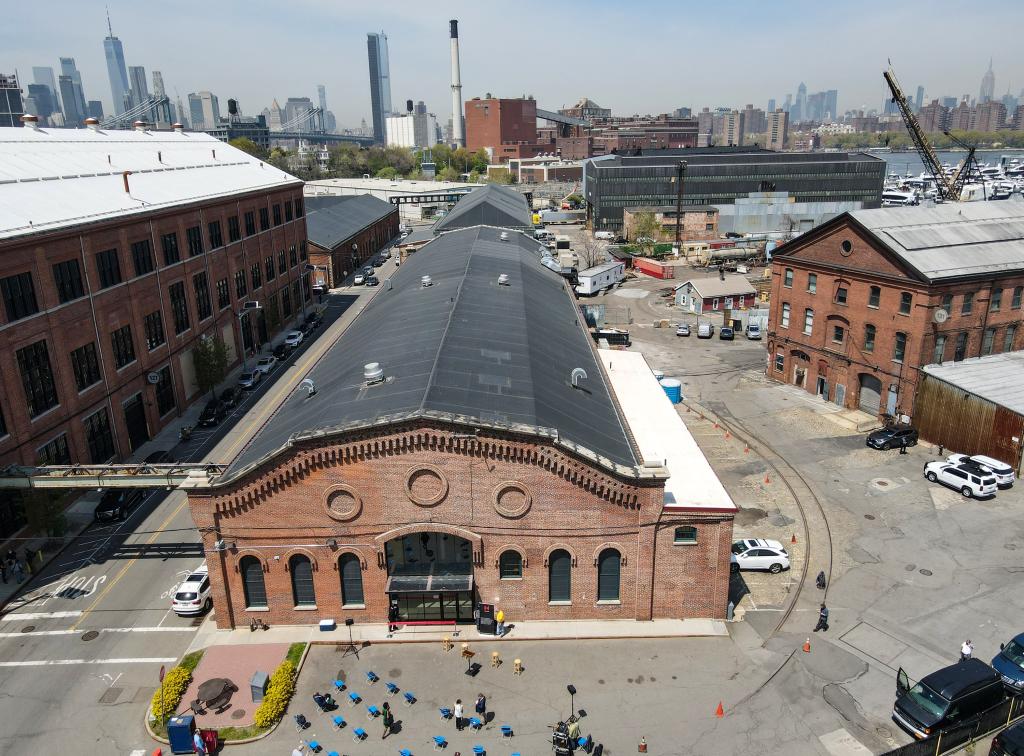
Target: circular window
(343, 503)
(512, 499)
(846, 247)
(426, 486)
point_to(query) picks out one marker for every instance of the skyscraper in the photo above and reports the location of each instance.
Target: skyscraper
(321, 93)
(831, 104)
(44, 76)
(39, 102)
(799, 109)
(204, 110)
(137, 82)
(69, 69)
(919, 98)
(771, 105)
(73, 115)
(297, 113)
(120, 90)
(988, 85)
(380, 82)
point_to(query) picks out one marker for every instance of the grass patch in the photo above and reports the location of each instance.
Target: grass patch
(295, 653)
(240, 733)
(191, 661)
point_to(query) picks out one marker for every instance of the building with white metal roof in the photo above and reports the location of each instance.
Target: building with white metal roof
(996, 378)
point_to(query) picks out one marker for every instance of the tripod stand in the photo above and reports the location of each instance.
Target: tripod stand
(351, 648)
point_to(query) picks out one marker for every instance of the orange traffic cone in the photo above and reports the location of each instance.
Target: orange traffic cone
(807, 646)
(746, 448)
(727, 434)
(767, 478)
(642, 747)
(719, 712)
(716, 423)
(793, 539)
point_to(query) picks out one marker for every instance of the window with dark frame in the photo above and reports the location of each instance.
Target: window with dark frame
(510, 565)
(277, 215)
(214, 234)
(939, 351)
(142, 257)
(223, 294)
(351, 580)
(256, 275)
(286, 302)
(906, 300)
(947, 303)
(153, 328)
(3, 424)
(780, 362)
(293, 259)
(988, 341)
(264, 219)
(108, 267)
(195, 241)
(282, 266)
(899, 347)
(56, 452)
(169, 245)
(1018, 292)
(812, 283)
(841, 295)
(250, 222)
(302, 250)
(234, 232)
(784, 323)
(874, 296)
(165, 392)
(299, 209)
(1008, 338)
(19, 296)
(179, 307)
(98, 437)
(124, 349)
(254, 587)
(268, 265)
(787, 279)
(37, 378)
(688, 533)
(869, 338)
(559, 576)
(996, 300)
(838, 333)
(301, 569)
(67, 276)
(287, 210)
(85, 365)
(296, 296)
(241, 285)
(967, 305)
(202, 289)
(609, 564)
(960, 350)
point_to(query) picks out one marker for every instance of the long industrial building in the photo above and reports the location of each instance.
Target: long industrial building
(720, 175)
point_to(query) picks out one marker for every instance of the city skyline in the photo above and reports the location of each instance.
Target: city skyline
(334, 54)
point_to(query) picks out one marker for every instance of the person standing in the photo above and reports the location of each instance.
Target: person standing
(501, 623)
(458, 714)
(966, 650)
(19, 572)
(197, 743)
(822, 619)
(903, 445)
(388, 717)
(481, 707)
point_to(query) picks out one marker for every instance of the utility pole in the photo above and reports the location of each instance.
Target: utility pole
(679, 201)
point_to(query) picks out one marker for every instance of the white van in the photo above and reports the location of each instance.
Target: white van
(604, 235)
(705, 331)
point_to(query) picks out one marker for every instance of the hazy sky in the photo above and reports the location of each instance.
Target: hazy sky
(640, 56)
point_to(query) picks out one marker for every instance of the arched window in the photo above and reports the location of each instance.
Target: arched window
(351, 580)
(608, 575)
(510, 565)
(252, 582)
(559, 579)
(302, 580)
(685, 534)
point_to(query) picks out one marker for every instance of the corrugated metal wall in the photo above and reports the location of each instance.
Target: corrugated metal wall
(963, 422)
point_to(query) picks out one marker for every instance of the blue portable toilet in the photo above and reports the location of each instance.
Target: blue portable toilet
(673, 389)
(179, 733)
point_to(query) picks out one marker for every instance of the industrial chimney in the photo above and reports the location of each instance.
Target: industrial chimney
(458, 136)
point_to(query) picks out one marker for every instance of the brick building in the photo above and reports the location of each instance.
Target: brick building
(697, 224)
(121, 249)
(500, 125)
(458, 467)
(862, 302)
(344, 232)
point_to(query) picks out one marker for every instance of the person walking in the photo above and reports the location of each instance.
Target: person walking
(966, 650)
(822, 619)
(481, 707)
(903, 445)
(459, 724)
(19, 572)
(388, 717)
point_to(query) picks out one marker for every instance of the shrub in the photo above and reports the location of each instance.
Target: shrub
(279, 693)
(175, 684)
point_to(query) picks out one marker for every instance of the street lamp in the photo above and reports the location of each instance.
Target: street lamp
(247, 307)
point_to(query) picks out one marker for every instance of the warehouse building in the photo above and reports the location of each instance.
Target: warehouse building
(345, 232)
(720, 175)
(437, 467)
(121, 249)
(488, 205)
(975, 406)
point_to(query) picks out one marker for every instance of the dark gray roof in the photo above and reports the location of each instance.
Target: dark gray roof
(490, 205)
(332, 220)
(713, 156)
(498, 356)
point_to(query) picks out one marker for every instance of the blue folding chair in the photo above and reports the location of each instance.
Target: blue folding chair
(446, 713)
(440, 743)
(506, 731)
(332, 753)
(404, 752)
(353, 698)
(371, 677)
(392, 688)
(339, 723)
(475, 723)
(410, 698)
(314, 746)
(339, 685)
(372, 711)
(358, 734)
(479, 750)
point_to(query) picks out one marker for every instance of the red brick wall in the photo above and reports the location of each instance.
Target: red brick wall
(93, 317)
(493, 122)
(572, 506)
(369, 242)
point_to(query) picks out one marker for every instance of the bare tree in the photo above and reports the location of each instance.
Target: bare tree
(590, 253)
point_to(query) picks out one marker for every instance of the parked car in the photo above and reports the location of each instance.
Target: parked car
(118, 503)
(890, 437)
(315, 319)
(359, 280)
(682, 329)
(1001, 471)
(230, 397)
(367, 270)
(386, 254)
(605, 235)
(266, 364)
(372, 280)
(946, 697)
(282, 350)
(753, 331)
(1009, 663)
(250, 380)
(293, 338)
(970, 480)
(213, 413)
(193, 595)
(759, 554)
(726, 334)
(1009, 742)
(705, 330)
(378, 261)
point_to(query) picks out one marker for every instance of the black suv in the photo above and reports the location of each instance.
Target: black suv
(282, 350)
(892, 436)
(117, 503)
(230, 397)
(213, 412)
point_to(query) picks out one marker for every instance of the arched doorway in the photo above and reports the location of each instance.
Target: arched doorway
(801, 364)
(430, 577)
(870, 398)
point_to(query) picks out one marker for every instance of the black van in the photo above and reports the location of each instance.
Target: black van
(946, 697)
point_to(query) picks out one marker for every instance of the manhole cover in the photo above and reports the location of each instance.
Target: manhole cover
(91, 635)
(238, 713)
(925, 572)
(869, 517)
(28, 628)
(1007, 546)
(882, 483)
(910, 567)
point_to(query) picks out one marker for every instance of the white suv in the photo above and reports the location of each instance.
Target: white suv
(193, 595)
(1001, 471)
(964, 478)
(759, 554)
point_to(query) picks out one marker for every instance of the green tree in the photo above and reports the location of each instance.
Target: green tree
(44, 512)
(278, 158)
(210, 360)
(247, 145)
(474, 176)
(448, 174)
(480, 161)
(645, 230)
(387, 172)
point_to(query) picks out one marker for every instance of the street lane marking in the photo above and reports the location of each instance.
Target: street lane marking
(65, 662)
(103, 630)
(39, 615)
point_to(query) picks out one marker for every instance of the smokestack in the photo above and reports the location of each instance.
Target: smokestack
(457, 132)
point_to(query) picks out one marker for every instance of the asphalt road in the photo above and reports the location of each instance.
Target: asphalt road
(80, 653)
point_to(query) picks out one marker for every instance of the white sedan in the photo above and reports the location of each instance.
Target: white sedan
(293, 338)
(1001, 471)
(759, 554)
(266, 364)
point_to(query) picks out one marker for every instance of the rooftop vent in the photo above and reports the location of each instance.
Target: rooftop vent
(503, 280)
(577, 375)
(178, 128)
(504, 235)
(425, 282)
(373, 373)
(139, 125)
(30, 121)
(92, 123)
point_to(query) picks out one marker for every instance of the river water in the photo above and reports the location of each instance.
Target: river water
(904, 162)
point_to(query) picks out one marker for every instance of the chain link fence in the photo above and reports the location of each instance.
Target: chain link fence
(999, 716)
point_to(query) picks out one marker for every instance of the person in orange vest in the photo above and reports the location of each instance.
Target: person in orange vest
(501, 623)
